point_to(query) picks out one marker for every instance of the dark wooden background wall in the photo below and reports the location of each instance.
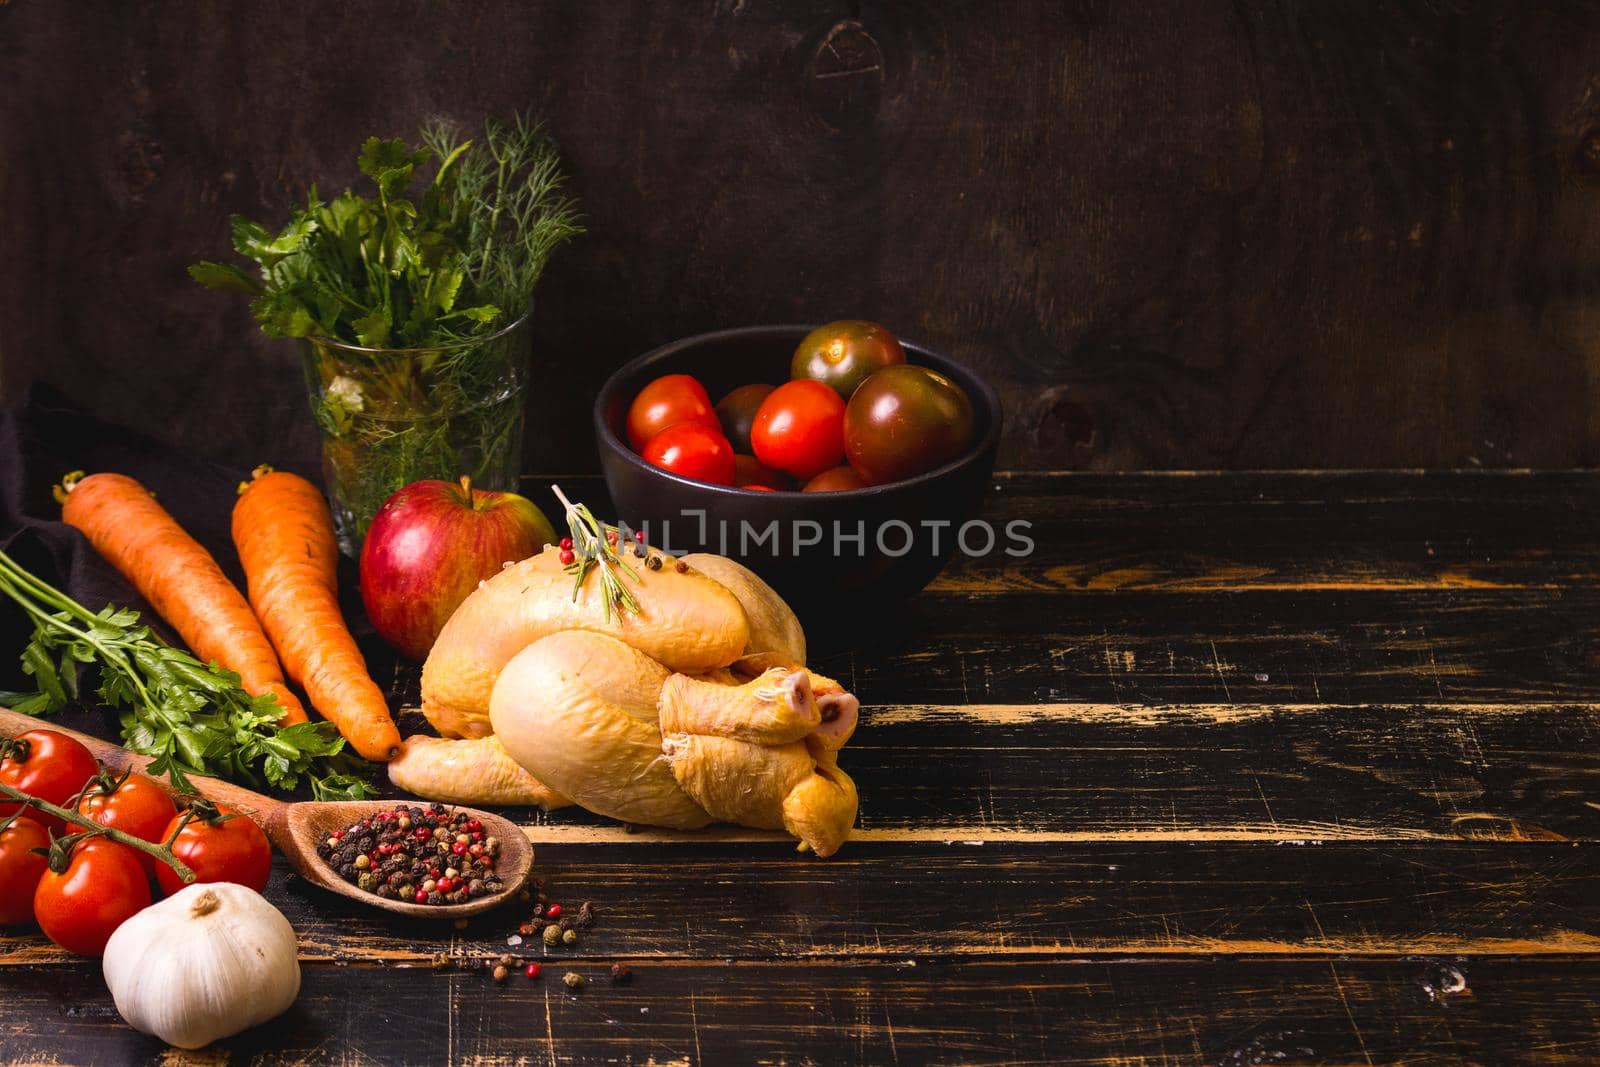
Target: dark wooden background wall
(1181, 235)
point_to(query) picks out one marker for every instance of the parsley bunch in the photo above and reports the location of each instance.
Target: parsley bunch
(406, 269)
(193, 718)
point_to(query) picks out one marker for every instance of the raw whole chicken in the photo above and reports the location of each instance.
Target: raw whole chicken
(697, 709)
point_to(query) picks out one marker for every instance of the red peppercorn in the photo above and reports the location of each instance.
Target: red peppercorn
(566, 556)
(566, 544)
(422, 833)
(533, 971)
(473, 825)
(554, 912)
(458, 849)
(421, 897)
(433, 872)
(444, 885)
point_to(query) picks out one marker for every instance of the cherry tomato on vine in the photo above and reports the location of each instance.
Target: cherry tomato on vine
(905, 421)
(844, 354)
(737, 412)
(217, 847)
(47, 765)
(92, 887)
(20, 868)
(665, 402)
(694, 451)
(134, 804)
(799, 429)
(835, 480)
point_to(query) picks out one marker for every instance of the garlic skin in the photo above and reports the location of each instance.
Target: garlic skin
(206, 963)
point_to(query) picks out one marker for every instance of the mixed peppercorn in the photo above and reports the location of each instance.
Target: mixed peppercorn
(429, 855)
(556, 925)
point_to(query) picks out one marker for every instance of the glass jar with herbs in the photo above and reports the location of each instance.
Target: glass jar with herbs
(413, 305)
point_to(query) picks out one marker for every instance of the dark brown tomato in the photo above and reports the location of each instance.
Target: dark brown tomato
(844, 354)
(748, 470)
(737, 411)
(904, 421)
(835, 480)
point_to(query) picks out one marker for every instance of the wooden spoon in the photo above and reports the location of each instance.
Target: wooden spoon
(297, 828)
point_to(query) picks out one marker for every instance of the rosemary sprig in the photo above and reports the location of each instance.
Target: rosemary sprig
(593, 550)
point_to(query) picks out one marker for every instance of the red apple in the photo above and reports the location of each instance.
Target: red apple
(430, 545)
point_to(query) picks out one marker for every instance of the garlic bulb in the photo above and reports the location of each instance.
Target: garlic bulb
(206, 963)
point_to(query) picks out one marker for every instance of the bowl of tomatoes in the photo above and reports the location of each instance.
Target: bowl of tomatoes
(842, 464)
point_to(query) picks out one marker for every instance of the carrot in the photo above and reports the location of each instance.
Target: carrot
(178, 577)
(284, 533)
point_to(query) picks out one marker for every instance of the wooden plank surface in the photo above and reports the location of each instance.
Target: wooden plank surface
(1224, 1011)
(1135, 800)
(888, 899)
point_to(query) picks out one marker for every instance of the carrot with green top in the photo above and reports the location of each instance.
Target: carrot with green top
(284, 533)
(178, 577)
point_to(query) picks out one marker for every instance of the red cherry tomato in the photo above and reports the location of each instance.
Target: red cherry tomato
(799, 429)
(748, 470)
(693, 451)
(20, 869)
(835, 480)
(47, 765)
(668, 401)
(217, 849)
(136, 805)
(102, 885)
(737, 412)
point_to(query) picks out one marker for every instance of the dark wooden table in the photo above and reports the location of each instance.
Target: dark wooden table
(1236, 769)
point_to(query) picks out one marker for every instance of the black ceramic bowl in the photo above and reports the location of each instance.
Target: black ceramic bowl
(833, 556)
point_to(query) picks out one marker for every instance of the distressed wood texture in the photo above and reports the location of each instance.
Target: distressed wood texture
(1236, 768)
(1265, 233)
(1225, 1012)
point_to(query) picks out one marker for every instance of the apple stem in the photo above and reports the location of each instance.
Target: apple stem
(466, 488)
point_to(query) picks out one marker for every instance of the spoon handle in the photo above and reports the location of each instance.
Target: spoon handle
(119, 759)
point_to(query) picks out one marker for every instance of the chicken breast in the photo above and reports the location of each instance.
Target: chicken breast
(687, 622)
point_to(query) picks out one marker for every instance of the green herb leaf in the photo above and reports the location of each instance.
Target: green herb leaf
(223, 276)
(190, 717)
(372, 330)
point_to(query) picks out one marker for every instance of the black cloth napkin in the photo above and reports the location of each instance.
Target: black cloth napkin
(42, 437)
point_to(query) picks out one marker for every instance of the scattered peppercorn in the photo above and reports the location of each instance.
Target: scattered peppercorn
(569, 937)
(585, 915)
(621, 974)
(653, 563)
(681, 567)
(501, 974)
(573, 980)
(533, 971)
(373, 855)
(552, 934)
(553, 912)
